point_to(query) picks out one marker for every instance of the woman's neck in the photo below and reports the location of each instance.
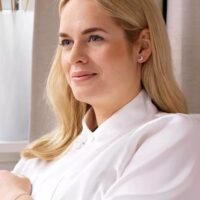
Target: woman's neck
(102, 113)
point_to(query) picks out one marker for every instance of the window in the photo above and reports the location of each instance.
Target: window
(16, 35)
(14, 5)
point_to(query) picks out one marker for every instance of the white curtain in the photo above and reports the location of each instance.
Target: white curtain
(184, 30)
(16, 31)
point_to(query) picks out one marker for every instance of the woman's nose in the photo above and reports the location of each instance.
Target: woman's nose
(77, 54)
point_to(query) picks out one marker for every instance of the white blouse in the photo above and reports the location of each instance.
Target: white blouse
(138, 153)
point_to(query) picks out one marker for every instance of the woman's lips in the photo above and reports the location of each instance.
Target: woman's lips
(82, 76)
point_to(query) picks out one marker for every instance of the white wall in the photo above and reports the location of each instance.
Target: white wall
(184, 30)
(45, 41)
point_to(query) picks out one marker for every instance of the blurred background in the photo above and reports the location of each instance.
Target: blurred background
(28, 39)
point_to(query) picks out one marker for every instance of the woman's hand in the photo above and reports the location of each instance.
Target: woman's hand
(12, 185)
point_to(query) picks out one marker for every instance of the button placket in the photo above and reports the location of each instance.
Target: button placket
(90, 139)
(80, 144)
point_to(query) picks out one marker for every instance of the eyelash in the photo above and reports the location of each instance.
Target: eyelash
(96, 37)
(92, 38)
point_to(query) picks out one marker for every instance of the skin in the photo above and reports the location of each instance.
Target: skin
(100, 65)
(11, 186)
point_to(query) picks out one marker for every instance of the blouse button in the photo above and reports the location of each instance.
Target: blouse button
(90, 139)
(79, 145)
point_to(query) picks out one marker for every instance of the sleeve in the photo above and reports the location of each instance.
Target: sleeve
(165, 167)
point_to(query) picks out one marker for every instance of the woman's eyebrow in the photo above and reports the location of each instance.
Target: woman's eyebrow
(86, 31)
(90, 30)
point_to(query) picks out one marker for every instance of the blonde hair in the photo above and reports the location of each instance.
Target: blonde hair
(157, 76)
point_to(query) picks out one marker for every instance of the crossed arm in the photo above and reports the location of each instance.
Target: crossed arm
(14, 187)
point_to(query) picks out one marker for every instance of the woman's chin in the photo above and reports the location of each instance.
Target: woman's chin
(83, 97)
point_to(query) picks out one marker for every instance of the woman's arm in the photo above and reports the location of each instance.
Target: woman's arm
(13, 187)
(23, 196)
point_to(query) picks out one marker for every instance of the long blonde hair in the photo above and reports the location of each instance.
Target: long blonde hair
(157, 76)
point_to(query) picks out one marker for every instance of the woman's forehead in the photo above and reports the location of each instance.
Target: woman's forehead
(85, 15)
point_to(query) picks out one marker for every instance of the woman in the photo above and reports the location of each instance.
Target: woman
(112, 89)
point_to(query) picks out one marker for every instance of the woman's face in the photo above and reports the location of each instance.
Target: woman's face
(99, 63)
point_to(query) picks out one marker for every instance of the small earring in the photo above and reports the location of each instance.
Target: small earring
(140, 59)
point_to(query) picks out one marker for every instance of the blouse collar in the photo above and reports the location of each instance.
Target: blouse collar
(137, 112)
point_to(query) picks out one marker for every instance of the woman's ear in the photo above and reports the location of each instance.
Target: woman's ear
(144, 49)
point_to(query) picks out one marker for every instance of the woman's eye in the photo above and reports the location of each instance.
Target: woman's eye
(94, 38)
(66, 42)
